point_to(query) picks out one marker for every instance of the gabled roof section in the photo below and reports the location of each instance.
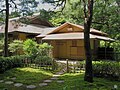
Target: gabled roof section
(74, 36)
(40, 21)
(78, 27)
(36, 25)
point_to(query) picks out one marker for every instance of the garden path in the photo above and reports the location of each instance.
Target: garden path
(46, 82)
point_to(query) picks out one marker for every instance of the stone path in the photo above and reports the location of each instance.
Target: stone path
(44, 83)
(18, 84)
(31, 86)
(9, 82)
(1, 81)
(54, 78)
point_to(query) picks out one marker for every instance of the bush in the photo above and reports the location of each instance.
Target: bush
(16, 46)
(107, 69)
(11, 62)
(30, 47)
(43, 55)
(43, 60)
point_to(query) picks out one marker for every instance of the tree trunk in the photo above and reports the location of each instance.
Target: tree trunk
(88, 19)
(88, 67)
(6, 29)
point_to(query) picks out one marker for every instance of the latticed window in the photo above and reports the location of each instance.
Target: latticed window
(74, 43)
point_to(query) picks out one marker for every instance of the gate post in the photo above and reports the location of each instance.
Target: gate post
(67, 65)
(53, 64)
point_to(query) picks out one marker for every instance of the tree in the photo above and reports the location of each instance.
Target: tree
(88, 13)
(6, 29)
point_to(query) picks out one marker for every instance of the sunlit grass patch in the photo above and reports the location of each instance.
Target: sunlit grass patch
(26, 75)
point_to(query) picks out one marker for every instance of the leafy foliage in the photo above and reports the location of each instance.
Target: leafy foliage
(1, 46)
(11, 62)
(44, 49)
(16, 46)
(44, 54)
(27, 7)
(19, 8)
(107, 17)
(30, 47)
(107, 69)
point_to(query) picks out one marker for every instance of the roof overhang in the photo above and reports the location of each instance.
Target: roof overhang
(71, 36)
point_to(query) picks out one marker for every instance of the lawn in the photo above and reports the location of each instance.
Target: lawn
(26, 76)
(76, 82)
(71, 81)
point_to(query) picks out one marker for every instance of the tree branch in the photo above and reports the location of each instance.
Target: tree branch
(85, 11)
(2, 10)
(14, 3)
(60, 4)
(90, 10)
(99, 23)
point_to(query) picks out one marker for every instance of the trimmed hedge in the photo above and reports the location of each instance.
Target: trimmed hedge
(11, 62)
(7, 63)
(107, 69)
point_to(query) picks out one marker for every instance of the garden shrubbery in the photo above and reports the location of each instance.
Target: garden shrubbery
(107, 69)
(37, 54)
(11, 62)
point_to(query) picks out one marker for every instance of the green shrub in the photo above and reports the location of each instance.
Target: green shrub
(16, 46)
(43, 60)
(30, 47)
(11, 62)
(43, 55)
(107, 69)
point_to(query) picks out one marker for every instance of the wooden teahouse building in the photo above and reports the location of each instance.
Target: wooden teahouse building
(68, 41)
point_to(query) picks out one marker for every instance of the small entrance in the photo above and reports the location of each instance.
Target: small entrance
(61, 49)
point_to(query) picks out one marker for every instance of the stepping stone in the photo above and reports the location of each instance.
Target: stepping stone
(56, 75)
(60, 81)
(47, 81)
(13, 78)
(31, 86)
(9, 82)
(43, 84)
(1, 81)
(54, 78)
(18, 84)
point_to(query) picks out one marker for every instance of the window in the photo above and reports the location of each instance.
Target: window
(74, 43)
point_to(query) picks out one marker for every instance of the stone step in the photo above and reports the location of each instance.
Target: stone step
(30, 86)
(43, 84)
(9, 82)
(18, 84)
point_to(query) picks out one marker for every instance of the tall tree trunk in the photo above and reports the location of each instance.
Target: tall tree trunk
(88, 19)
(6, 29)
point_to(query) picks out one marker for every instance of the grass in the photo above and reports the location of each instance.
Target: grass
(26, 76)
(76, 82)
(72, 81)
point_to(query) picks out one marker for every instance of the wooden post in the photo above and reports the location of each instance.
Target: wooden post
(53, 64)
(67, 65)
(73, 67)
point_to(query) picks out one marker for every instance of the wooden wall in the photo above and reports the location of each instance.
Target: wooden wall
(72, 49)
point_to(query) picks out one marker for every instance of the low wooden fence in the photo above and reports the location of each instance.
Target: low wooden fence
(47, 65)
(74, 66)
